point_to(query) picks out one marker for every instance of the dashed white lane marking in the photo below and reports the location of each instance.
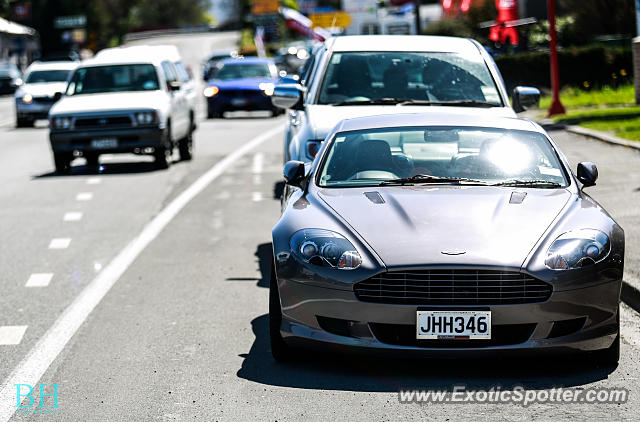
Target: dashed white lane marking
(256, 196)
(629, 325)
(94, 181)
(39, 280)
(72, 216)
(84, 196)
(59, 243)
(11, 335)
(35, 363)
(257, 167)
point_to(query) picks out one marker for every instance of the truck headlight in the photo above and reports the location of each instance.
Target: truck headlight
(319, 246)
(146, 117)
(577, 249)
(27, 98)
(61, 122)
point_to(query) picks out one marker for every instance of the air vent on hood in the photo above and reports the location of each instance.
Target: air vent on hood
(374, 197)
(517, 197)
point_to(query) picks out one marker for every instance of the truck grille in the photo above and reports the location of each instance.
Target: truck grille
(452, 287)
(103, 122)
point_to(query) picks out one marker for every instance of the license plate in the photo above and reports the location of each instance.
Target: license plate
(463, 325)
(238, 101)
(104, 143)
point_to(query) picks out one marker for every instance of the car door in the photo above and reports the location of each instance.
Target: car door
(188, 90)
(179, 119)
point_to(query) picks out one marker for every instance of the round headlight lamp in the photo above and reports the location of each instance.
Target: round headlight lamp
(578, 249)
(27, 98)
(324, 247)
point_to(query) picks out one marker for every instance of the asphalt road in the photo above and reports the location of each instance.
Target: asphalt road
(158, 280)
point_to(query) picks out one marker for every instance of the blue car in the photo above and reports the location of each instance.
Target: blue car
(241, 84)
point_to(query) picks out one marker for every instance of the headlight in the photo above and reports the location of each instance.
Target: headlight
(62, 122)
(318, 246)
(577, 249)
(27, 98)
(146, 117)
(210, 91)
(267, 88)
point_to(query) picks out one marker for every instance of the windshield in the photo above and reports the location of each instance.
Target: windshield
(483, 155)
(9, 71)
(113, 78)
(361, 76)
(43, 76)
(241, 71)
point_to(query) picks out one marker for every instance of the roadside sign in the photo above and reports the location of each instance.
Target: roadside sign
(264, 7)
(330, 19)
(75, 21)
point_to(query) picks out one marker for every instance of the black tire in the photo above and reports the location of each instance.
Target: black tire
(213, 114)
(62, 162)
(280, 351)
(161, 157)
(93, 160)
(611, 355)
(185, 145)
(24, 122)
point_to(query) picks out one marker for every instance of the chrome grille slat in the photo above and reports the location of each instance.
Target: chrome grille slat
(480, 287)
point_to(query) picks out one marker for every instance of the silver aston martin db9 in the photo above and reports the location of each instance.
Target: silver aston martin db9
(443, 234)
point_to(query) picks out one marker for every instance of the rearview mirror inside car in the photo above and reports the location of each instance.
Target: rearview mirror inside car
(525, 98)
(294, 173)
(287, 96)
(587, 173)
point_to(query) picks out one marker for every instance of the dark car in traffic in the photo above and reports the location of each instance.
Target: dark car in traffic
(242, 84)
(444, 234)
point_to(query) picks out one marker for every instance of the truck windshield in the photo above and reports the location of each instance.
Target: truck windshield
(44, 76)
(113, 78)
(363, 76)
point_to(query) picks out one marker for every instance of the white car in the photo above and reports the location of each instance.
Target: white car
(125, 100)
(43, 84)
(357, 76)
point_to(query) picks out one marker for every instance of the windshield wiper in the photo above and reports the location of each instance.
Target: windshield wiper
(459, 103)
(425, 178)
(529, 183)
(377, 101)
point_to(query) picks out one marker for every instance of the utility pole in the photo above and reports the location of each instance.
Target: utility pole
(556, 104)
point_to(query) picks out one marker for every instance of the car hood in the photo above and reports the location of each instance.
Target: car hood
(450, 225)
(323, 118)
(248, 83)
(88, 103)
(45, 89)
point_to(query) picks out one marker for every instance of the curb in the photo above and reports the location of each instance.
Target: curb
(630, 295)
(603, 137)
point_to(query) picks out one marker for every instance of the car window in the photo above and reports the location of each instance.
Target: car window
(490, 155)
(358, 76)
(183, 74)
(42, 76)
(169, 72)
(113, 78)
(240, 71)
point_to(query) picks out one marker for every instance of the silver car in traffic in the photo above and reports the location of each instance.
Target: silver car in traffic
(444, 234)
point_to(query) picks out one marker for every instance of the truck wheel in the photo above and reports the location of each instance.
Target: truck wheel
(93, 160)
(162, 159)
(185, 147)
(22, 122)
(62, 162)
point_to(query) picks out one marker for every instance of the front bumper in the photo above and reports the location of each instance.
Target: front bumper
(33, 110)
(239, 100)
(568, 322)
(128, 139)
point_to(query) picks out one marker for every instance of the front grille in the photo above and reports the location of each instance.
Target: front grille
(405, 335)
(240, 92)
(44, 100)
(103, 122)
(452, 287)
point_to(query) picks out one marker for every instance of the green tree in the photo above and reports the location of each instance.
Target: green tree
(598, 17)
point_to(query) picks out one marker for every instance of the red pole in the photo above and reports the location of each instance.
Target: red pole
(556, 105)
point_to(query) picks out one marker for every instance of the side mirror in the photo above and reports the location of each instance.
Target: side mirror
(57, 96)
(174, 85)
(294, 173)
(587, 173)
(287, 96)
(525, 98)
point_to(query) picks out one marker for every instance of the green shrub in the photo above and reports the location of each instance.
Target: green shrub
(584, 67)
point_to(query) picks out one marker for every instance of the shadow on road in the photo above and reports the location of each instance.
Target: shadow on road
(338, 371)
(107, 168)
(264, 253)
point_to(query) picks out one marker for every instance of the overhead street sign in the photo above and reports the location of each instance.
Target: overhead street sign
(330, 19)
(75, 21)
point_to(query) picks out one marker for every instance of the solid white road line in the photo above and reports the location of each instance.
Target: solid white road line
(60, 243)
(12, 334)
(39, 280)
(72, 216)
(33, 366)
(84, 196)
